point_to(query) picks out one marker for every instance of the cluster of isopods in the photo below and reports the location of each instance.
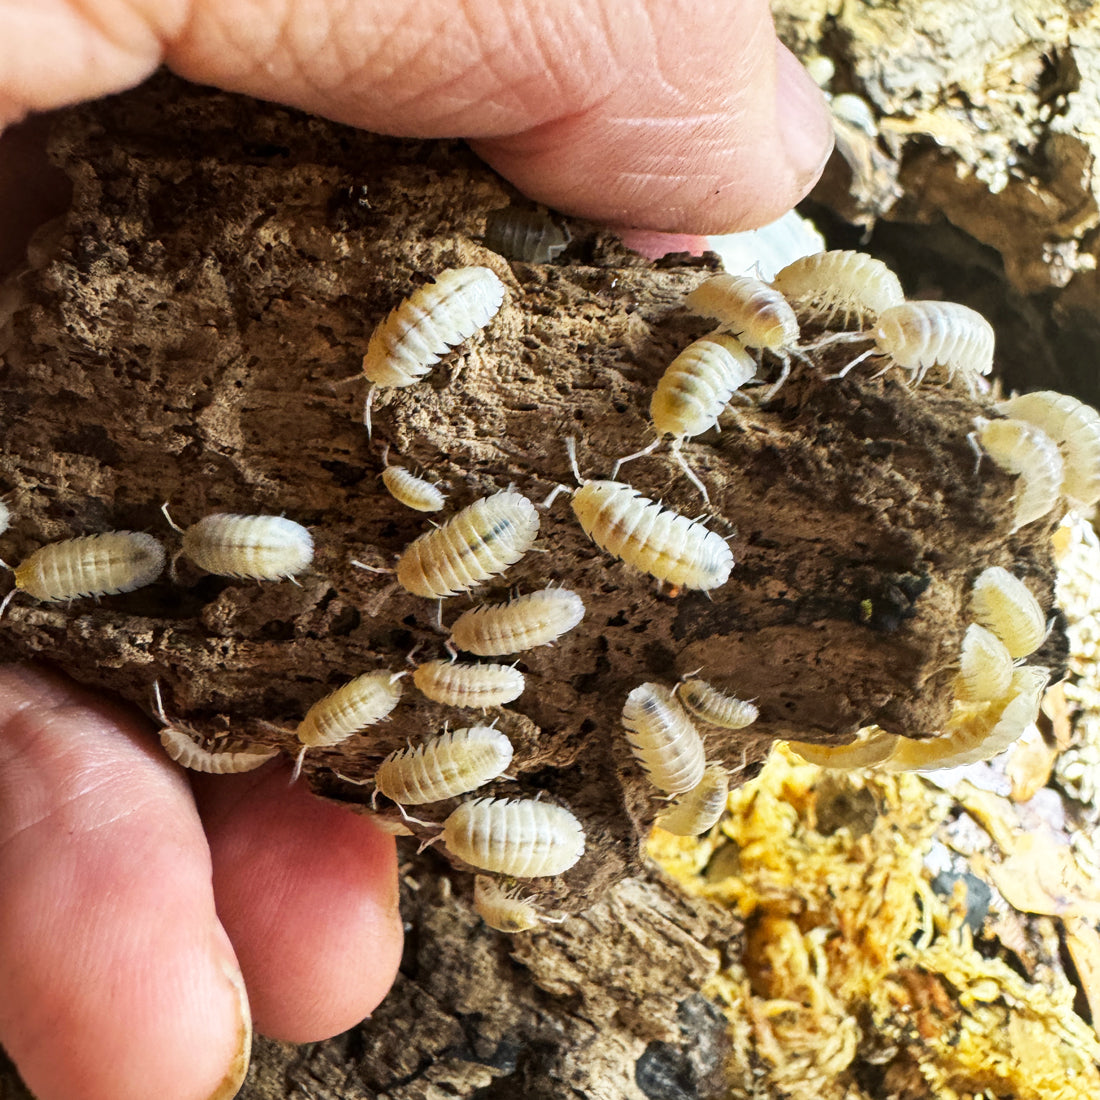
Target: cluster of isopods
(996, 695)
(1051, 441)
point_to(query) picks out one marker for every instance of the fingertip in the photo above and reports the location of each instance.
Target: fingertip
(308, 893)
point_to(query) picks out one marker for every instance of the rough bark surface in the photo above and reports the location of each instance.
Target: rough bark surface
(178, 337)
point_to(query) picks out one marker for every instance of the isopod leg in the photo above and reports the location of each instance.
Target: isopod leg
(637, 454)
(678, 454)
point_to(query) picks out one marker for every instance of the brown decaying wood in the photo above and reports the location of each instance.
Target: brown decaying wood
(178, 338)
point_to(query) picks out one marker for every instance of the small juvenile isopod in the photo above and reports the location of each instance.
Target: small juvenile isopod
(692, 393)
(531, 236)
(1003, 604)
(663, 739)
(91, 565)
(827, 282)
(700, 809)
(446, 765)
(347, 710)
(427, 324)
(977, 733)
(921, 335)
(504, 910)
(408, 489)
(461, 684)
(263, 548)
(475, 544)
(1023, 449)
(521, 837)
(757, 314)
(985, 669)
(714, 707)
(536, 619)
(1075, 427)
(184, 746)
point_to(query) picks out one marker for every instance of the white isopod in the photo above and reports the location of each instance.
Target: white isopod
(525, 622)
(461, 684)
(521, 837)
(263, 548)
(692, 393)
(757, 314)
(663, 739)
(827, 282)
(921, 335)
(475, 544)
(985, 668)
(1023, 449)
(408, 489)
(347, 710)
(427, 324)
(1075, 427)
(449, 764)
(978, 732)
(700, 809)
(714, 707)
(504, 910)
(185, 747)
(91, 565)
(1003, 604)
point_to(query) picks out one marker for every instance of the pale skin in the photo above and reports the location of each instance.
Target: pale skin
(136, 902)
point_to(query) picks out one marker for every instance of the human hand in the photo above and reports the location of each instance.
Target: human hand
(132, 899)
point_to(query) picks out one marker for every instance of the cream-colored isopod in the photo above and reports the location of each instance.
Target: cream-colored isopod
(985, 668)
(521, 837)
(828, 282)
(262, 548)
(463, 684)
(1003, 604)
(449, 764)
(651, 538)
(715, 707)
(91, 565)
(757, 314)
(504, 910)
(1075, 427)
(921, 335)
(1023, 449)
(414, 492)
(663, 739)
(427, 324)
(525, 622)
(700, 809)
(475, 544)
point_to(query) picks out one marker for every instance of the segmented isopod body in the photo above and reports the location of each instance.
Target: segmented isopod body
(461, 684)
(757, 314)
(698, 384)
(183, 747)
(985, 669)
(1023, 449)
(446, 765)
(1004, 604)
(650, 538)
(531, 236)
(872, 746)
(5, 517)
(412, 491)
(263, 548)
(700, 809)
(91, 565)
(359, 703)
(828, 282)
(980, 732)
(538, 618)
(1075, 427)
(663, 739)
(714, 707)
(504, 910)
(431, 321)
(921, 335)
(520, 837)
(475, 544)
